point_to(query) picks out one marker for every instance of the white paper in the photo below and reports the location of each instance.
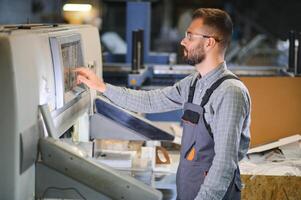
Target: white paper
(281, 142)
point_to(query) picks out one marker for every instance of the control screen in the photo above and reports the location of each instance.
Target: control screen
(71, 57)
(66, 56)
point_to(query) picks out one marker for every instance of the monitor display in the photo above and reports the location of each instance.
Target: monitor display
(66, 55)
(71, 57)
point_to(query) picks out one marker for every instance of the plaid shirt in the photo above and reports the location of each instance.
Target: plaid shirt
(227, 112)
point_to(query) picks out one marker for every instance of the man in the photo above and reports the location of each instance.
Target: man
(216, 107)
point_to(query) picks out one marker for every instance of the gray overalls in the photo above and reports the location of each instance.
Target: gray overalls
(197, 151)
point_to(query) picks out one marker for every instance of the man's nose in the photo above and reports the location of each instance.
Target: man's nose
(183, 43)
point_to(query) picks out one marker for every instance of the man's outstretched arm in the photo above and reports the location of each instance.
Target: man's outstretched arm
(159, 100)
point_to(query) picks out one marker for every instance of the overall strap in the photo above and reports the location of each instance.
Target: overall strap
(215, 85)
(191, 91)
(209, 92)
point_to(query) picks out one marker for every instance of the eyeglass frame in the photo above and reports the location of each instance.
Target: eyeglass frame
(199, 35)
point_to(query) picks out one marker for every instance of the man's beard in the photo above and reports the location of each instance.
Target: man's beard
(195, 56)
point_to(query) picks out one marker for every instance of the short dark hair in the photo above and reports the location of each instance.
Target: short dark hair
(219, 21)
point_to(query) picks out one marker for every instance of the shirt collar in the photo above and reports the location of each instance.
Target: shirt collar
(213, 74)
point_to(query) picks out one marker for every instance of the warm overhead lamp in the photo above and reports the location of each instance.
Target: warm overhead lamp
(77, 7)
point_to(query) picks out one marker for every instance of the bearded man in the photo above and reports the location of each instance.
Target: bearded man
(216, 110)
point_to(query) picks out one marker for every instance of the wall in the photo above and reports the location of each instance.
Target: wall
(21, 11)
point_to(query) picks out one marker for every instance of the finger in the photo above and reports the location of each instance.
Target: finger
(80, 79)
(83, 72)
(84, 80)
(86, 72)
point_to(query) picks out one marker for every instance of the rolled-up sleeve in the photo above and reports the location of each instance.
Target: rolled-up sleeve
(230, 111)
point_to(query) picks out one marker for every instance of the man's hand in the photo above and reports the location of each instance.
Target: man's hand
(89, 78)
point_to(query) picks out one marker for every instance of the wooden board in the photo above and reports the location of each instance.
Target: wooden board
(276, 107)
(271, 187)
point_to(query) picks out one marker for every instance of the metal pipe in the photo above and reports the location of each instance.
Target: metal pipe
(141, 39)
(136, 46)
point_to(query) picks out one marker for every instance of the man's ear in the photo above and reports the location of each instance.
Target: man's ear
(210, 43)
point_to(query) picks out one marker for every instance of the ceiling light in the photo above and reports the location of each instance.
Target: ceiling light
(77, 7)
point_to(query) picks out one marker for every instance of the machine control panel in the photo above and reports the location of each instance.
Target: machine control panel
(66, 56)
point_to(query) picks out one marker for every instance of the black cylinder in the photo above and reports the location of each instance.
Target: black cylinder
(298, 67)
(291, 52)
(141, 39)
(136, 52)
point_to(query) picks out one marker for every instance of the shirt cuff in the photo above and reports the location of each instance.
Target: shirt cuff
(111, 91)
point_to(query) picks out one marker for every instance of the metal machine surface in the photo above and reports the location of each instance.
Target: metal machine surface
(137, 127)
(40, 102)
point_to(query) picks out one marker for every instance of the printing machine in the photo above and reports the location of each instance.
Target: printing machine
(40, 103)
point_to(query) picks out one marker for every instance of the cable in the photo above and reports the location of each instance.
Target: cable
(57, 188)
